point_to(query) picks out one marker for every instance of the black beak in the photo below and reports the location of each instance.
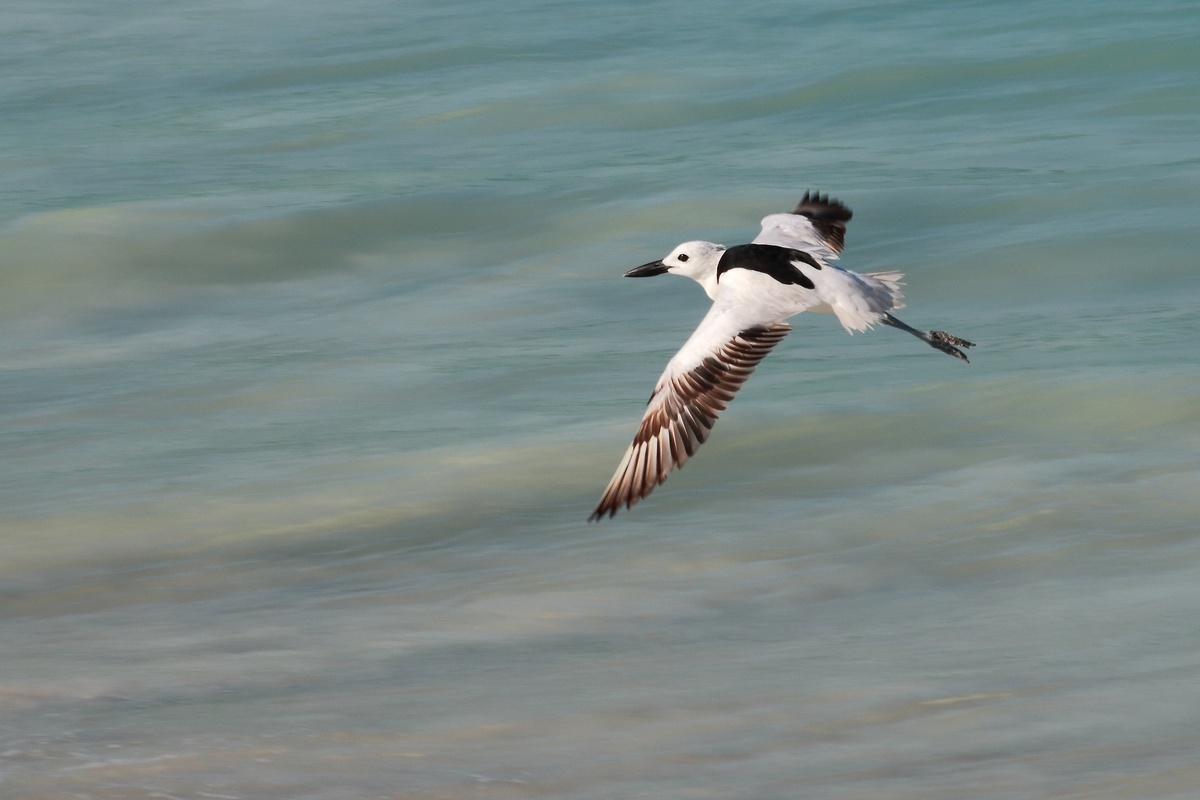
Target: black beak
(646, 270)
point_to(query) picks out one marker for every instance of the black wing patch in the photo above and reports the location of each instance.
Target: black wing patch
(827, 215)
(771, 260)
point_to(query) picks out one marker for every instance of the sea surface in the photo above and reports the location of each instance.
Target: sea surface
(315, 355)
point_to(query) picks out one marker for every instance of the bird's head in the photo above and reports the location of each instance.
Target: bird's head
(695, 260)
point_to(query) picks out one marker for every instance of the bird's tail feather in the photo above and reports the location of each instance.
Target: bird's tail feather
(877, 293)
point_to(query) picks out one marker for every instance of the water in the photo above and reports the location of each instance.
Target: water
(315, 356)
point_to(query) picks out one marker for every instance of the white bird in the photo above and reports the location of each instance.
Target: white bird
(754, 287)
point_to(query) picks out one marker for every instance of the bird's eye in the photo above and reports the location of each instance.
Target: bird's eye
(683, 257)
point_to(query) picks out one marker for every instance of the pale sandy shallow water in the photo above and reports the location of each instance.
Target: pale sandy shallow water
(315, 357)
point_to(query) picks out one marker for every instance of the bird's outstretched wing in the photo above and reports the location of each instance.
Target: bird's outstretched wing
(817, 225)
(693, 390)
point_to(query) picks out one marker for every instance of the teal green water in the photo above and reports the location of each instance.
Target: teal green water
(315, 356)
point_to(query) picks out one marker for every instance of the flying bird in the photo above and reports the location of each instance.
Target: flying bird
(788, 268)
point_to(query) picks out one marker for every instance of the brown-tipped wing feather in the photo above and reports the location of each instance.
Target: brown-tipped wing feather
(829, 216)
(817, 225)
(681, 412)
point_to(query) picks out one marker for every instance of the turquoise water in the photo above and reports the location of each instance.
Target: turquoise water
(315, 356)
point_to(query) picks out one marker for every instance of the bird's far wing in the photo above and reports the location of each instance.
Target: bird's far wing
(817, 225)
(695, 387)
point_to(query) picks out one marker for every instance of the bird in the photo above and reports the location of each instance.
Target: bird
(788, 268)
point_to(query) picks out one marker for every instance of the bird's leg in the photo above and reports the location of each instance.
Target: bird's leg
(939, 340)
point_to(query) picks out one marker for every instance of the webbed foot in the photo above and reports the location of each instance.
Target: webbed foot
(940, 340)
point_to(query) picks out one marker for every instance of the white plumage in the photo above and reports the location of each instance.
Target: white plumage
(754, 287)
